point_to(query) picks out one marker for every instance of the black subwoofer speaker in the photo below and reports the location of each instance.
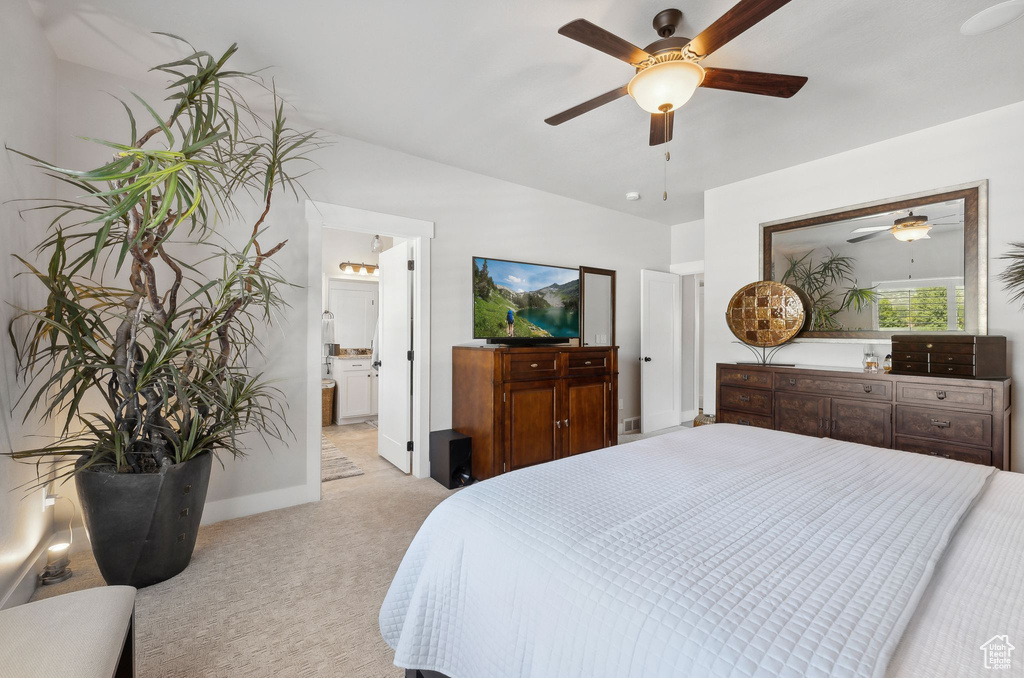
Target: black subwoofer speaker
(450, 454)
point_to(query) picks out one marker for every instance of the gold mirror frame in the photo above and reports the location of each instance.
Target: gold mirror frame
(975, 197)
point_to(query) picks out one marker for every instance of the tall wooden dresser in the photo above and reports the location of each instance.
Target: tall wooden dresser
(967, 419)
(528, 405)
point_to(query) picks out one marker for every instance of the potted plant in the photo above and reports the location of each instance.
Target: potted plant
(143, 354)
(820, 282)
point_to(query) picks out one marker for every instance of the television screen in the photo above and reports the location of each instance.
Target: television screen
(516, 300)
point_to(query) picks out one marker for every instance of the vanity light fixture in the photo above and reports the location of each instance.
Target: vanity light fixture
(359, 269)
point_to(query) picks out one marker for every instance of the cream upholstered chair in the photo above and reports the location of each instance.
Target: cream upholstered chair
(85, 634)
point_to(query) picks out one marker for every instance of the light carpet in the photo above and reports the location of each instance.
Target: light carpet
(333, 464)
(294, 592)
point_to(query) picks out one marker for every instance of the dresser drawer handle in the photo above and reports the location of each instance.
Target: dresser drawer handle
(941, 395)
(745, 398)
(940, 423)
(745, 377)
(867, 388)
(792, 382)
(587, 363)
(743, 422)
(949, 358)
(949, 369)
(928, 345)
(533, 364)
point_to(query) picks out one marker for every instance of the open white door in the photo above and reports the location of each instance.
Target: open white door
(394, 416)
(661, 350)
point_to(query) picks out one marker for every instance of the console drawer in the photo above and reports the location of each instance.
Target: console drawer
(531, 365)
(741, 377)
(932, 347)
(910, 356)
(588, 363)
(869, 389)
(945, 450)
(744, 419)
(747, 399)
(921, 393)
(970, 428)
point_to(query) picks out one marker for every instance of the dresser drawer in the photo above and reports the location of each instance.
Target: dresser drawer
(531, 365)
(970, 428)
(945, 450)
(741, 377)
(952, 359)
(746, 399)
(744, 419)
(869, 389)
(588, 363)
(957, 397)
(952, 370)
(932, 347)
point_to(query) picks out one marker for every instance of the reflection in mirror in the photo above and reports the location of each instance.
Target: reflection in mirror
(859, 275)
(910, 265)
(598, 290)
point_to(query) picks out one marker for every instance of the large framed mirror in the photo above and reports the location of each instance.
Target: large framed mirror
(916, 263)
(597, 289)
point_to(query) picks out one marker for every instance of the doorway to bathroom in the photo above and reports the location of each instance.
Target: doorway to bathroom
(398, 356)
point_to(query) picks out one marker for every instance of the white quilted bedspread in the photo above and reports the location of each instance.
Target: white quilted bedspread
(722, 551)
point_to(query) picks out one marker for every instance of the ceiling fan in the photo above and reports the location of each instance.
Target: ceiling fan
(668, 70)
(908, 229)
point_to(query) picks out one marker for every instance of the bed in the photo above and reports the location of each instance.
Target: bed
(721, 551)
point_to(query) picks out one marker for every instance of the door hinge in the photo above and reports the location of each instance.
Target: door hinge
(409, 355)
(502, 467)
(503, 398)
(408, 446)
(412, 265)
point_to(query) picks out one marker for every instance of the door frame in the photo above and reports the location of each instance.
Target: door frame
(419, 233)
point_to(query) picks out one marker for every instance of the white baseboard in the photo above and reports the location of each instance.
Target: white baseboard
(236, 507)
(22, 590)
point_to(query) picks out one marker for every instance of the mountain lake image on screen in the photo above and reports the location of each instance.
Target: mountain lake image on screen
(516, 300)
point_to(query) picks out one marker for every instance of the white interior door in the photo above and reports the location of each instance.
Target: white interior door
(661, 350)
(394, 417)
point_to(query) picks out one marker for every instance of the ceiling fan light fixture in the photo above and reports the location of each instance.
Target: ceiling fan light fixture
(912, 232)
(666, 84)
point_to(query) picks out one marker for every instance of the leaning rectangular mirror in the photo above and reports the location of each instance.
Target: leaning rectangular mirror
(597, 287)
(910, 264)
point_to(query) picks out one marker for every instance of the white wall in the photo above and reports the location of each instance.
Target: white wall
(687, 242)
(28, 122)
(983, 146)
(473, 215)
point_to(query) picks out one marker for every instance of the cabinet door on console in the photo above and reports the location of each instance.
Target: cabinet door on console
(531, 434)
(861, 422)
(799, 413)
(585, 424)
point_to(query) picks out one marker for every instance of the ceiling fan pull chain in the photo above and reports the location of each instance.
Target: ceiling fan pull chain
(664, 193)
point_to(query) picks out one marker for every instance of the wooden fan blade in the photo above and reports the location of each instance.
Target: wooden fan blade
(742, 16)
(870, 229)
(590, 35)
(587, 106)
(661, 127)
(869, 236)
(766, 84)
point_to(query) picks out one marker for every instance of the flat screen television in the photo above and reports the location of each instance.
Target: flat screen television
(516, 302)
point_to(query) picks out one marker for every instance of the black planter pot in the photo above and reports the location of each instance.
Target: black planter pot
(143, 526)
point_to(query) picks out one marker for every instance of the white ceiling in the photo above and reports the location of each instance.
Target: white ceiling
(469, 82)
